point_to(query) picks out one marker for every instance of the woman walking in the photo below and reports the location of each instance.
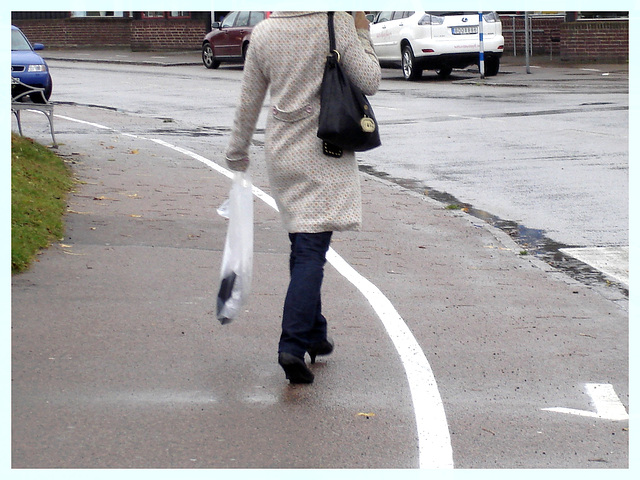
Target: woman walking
(315, 193)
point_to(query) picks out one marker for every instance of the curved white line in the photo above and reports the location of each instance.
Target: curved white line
(434, 441)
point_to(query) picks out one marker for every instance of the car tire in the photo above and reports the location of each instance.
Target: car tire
(208, 58)
(245, 47)
(409, 69)
(444, 72)
(491, 67)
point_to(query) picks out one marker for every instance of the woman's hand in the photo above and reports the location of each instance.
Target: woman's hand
(361, 21)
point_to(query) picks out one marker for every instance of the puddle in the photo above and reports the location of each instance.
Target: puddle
(533, 241)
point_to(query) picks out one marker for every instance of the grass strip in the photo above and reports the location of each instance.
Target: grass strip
(40, 182)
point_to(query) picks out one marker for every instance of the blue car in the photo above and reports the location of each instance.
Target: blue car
(29, 67)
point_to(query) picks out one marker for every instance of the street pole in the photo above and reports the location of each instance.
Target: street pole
(526, 40)
(481, 33)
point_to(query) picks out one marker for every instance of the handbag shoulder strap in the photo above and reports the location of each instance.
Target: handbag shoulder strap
(332, 36)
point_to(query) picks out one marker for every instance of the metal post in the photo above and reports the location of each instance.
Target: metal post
(531, 35)
(513, 33)
(481, 33)
(526, 40)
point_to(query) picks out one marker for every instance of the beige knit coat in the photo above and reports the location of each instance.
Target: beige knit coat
(314, 192)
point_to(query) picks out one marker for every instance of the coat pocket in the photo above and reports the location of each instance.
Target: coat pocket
(291, 116)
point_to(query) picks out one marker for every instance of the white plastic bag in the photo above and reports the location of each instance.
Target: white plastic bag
(237, 259)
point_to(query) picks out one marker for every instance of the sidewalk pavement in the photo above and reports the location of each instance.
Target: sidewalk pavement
(118, 359)
(125, 56)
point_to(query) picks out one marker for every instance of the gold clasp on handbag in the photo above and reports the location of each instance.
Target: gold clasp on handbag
(337, 55)
(368, 125)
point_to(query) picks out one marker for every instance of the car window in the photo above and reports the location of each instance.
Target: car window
(243, 19)
(18, 41)
(256, 17)
(384, 17)
(400, 15)
(229, 19)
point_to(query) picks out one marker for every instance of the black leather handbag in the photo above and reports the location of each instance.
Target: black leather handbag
(346, 118)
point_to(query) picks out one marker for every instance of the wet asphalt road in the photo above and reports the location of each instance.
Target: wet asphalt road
(117, 359)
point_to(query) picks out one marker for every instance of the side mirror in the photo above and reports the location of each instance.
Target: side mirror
(38, 46)
(215, 25)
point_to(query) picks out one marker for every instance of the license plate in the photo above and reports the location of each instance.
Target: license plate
(464, 30)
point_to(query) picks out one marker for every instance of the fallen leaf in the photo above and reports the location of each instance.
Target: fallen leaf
(361, 414)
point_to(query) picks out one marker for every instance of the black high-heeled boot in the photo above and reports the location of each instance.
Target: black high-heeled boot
(294, 368)
(321, 348)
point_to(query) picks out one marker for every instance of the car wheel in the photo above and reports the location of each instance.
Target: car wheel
(409, 69)
(244, 51)
(208, 58)
(444, 72)
(491, 67)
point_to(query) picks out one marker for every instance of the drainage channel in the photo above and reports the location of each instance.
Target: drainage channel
(532, 241)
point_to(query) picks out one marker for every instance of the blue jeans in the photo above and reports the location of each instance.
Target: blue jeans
(302, 320)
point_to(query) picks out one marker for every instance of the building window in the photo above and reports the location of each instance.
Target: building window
(602, 15)
(152, 14)
(174, 14)
(98, 14)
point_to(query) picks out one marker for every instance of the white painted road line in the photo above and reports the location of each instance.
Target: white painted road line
(607, 404)
(612, 261)
(434, 441)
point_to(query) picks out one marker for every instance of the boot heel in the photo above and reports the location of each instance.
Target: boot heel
(294, 368)
(322, 348)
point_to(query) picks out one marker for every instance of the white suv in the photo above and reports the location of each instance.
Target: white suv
(439, 41)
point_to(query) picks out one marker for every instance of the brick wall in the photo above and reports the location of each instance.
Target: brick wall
(595, 41)
(78, 32)
(544, 31)
(167, 34)
(110, 32)
(580, 41)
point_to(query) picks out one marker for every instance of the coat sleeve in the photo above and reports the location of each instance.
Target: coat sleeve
(356, 54)
(252, 94)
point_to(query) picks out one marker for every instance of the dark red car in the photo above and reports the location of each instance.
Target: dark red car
(229, 39)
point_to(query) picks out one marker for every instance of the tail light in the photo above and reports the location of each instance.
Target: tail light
(491, 17)
(431, 20)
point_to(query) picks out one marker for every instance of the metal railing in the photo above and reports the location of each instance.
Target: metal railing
(19, 94)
